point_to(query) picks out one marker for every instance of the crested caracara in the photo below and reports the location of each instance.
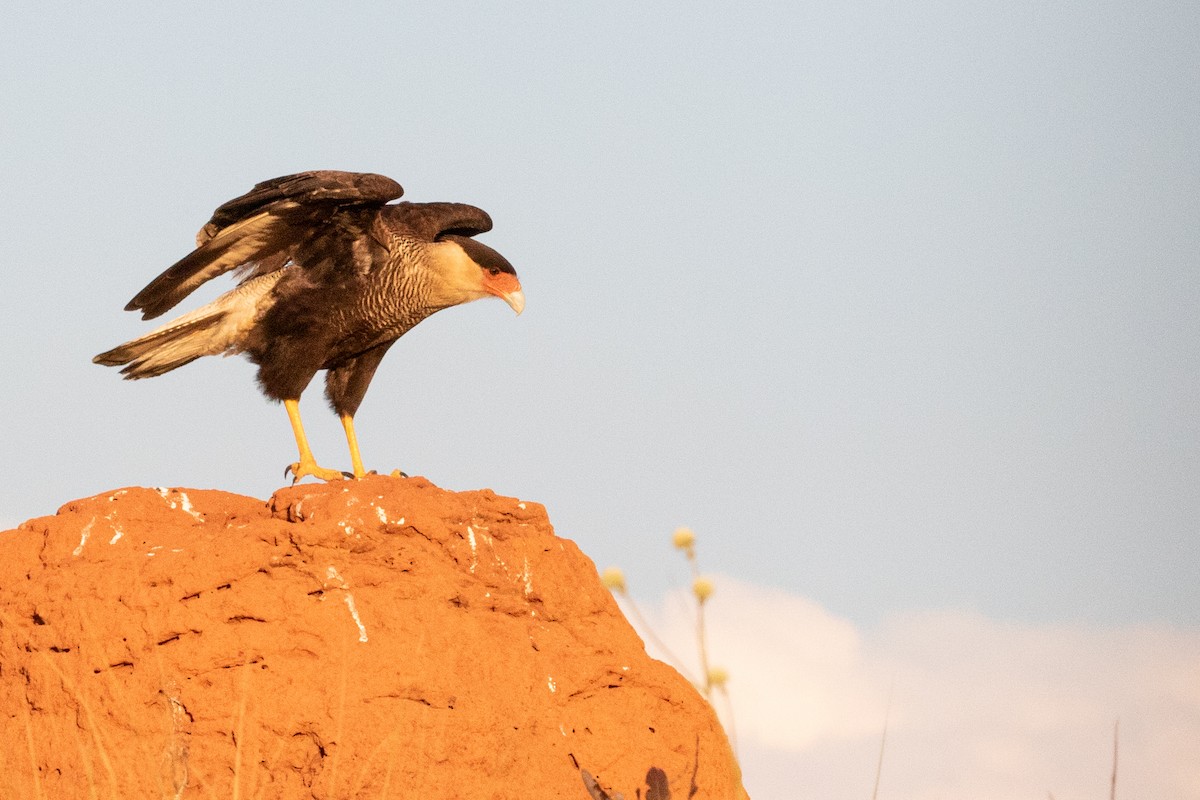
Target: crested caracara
(331, 274)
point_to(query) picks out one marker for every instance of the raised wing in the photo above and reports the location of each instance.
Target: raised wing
(269, 226)
(433, 221)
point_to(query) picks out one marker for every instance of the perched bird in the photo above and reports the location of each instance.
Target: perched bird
(332, 273)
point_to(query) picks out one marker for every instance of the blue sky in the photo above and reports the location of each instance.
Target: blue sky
(895, 305)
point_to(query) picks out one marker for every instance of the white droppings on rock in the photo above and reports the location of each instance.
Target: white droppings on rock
(83, 537)
(331, 575)
(527, 577)
(550, 682)
(117, 532)
(474, 553)
(362, 629)
(521, 506)
(379, 512)
(186, 505)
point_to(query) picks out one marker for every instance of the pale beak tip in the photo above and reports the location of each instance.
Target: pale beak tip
(516, 300)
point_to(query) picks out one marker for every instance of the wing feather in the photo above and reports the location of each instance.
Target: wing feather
(264, 229)
(320, 186)
(431, 221)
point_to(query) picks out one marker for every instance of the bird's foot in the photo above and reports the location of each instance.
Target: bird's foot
(393, 474)
(303, 469)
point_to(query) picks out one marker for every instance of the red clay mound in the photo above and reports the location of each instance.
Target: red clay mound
(380, 638)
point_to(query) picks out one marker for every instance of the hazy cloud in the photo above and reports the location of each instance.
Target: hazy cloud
(979, 707)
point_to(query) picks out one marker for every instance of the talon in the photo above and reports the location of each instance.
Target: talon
(302, 469)
(398, 474)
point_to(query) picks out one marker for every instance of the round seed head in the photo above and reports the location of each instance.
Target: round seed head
(718, 676)
(683, 538)
(613, 580)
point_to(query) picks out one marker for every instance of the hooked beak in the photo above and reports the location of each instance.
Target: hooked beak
(515, 299)
(505, 286)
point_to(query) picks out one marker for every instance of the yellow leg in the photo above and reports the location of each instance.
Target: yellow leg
(307, 465)
(352, 440)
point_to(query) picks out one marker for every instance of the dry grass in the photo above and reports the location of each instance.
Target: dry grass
(712, 679)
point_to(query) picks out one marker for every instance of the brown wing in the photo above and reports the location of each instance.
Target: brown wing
(269, 226)
(432, 221)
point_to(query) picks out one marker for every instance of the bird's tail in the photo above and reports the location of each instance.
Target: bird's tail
(215, 329)
(173, 345)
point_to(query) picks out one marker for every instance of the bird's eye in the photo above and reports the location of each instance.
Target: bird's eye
(494, 271)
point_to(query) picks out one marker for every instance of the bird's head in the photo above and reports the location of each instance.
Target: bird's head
(471, 271)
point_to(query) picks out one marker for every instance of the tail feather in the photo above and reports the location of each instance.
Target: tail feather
(165, 349)
(221, 327)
